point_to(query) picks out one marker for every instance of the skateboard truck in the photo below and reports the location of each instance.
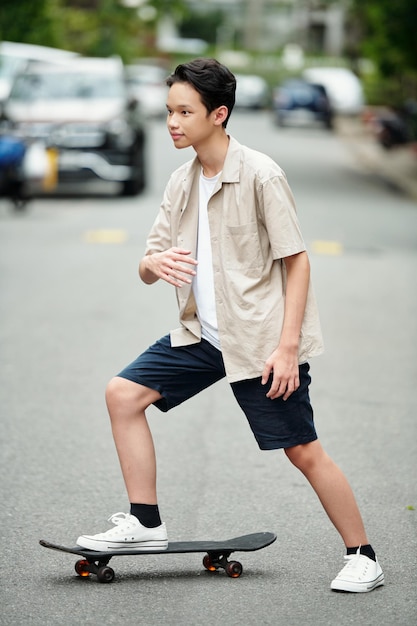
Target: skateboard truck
(218, 560)
(104, 573)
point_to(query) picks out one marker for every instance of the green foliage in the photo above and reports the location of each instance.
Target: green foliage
(176, 8)
(202, 25)
(386, 33)
(27, 21)
(91, 27)
(107, 29)
(392, 29)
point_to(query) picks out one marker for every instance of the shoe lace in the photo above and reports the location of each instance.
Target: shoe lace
(119, 518)
(351, 560)
(354, 562)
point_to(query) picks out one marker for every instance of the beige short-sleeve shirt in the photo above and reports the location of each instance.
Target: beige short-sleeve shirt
(253, 226)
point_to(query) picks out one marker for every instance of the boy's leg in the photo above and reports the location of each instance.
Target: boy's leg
(179, 373)
(166, 377)
(362, 571)
(289, 425)
(126, 403)
(333, 490)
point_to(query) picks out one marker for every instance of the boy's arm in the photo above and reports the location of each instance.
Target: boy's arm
(283, 362)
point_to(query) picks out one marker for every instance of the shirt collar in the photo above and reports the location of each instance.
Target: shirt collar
(231, 167)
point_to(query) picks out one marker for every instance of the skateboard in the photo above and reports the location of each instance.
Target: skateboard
(216, 557)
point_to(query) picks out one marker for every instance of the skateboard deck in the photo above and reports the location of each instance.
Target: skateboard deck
(216, 557)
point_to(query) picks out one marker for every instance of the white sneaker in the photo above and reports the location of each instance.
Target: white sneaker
(128, 534)
(360, 574)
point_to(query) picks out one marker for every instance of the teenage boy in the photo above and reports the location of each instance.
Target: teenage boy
(228, 239)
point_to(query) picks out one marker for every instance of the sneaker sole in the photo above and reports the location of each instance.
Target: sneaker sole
(140, 546)
(344, 585)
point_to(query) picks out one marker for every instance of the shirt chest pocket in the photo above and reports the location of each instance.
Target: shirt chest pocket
(242, 248)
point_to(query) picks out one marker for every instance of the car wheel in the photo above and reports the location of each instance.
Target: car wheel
(137, 184)
(280, 121)
(328, 122)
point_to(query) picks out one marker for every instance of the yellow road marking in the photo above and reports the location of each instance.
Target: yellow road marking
(50, 180)
(333, 248)
(105, 236)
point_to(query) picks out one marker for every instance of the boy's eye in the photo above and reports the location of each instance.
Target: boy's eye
(170, 112)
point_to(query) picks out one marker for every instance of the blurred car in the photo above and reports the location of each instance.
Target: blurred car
(251, 92)
(297, 101)
(147, 84)
(12, 153)
(15, 56)
(393, 126)
(342, 85)
(83, 114)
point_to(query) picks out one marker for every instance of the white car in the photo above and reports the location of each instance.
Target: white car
(15, 56)
(82, 113)
(343, 88)
(251, 91)
(147, 84)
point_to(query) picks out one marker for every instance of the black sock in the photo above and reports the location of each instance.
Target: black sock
(365, 550)
(147, 514)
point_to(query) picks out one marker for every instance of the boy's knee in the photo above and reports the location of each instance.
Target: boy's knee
(122, 393)
(305, 455)
(113, 389)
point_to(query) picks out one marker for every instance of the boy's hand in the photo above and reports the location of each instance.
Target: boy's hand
(283, 364)
(169, 265)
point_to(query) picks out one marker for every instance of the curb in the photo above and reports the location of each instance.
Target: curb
(397, 166)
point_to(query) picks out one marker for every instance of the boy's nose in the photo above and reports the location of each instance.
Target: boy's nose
(172, 122)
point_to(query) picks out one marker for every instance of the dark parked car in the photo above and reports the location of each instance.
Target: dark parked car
(297, 101)
(343, 87)
(83, 114)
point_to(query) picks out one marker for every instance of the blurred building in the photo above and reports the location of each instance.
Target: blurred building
(267, 25)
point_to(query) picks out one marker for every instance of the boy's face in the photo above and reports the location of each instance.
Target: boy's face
(188, 121)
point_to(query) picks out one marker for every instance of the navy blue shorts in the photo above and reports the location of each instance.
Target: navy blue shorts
(182, 372)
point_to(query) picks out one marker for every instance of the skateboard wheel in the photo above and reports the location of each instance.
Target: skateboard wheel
(234, 569)
(105, 574)
(208, 563)
(81, 567)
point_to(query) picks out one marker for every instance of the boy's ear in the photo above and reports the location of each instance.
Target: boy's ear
(220, 115)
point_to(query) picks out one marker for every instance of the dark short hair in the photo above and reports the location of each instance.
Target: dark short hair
(214, 82)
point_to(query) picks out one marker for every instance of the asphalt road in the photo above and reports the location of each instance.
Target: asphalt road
(73, 313)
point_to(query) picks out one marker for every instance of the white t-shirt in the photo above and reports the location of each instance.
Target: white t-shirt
(203, 282)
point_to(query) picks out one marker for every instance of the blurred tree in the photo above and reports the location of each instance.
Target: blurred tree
(91, 27)
(176, 8)
(100, 27)
(389, 33)
(202, 24)
(385, 31)
(26, 21)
